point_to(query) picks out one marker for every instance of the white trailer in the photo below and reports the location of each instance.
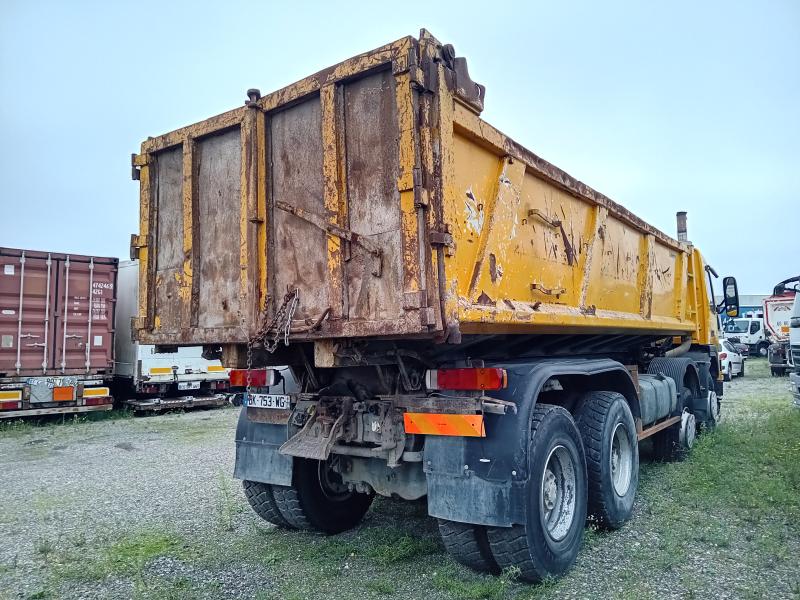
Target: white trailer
(777, 318)
(158, 380)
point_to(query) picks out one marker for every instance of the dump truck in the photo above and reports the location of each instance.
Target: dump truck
(151, 381)
(56, 332)
(457, 318)
(777, 317)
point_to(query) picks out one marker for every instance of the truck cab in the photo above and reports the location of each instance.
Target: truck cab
(750, 331)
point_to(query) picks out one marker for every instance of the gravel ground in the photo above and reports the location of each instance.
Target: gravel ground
(147, 508)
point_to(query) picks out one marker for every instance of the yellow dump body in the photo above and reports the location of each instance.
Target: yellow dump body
(374, 190)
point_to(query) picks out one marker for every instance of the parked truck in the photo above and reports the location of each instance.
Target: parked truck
(464, 320)
(794, 348)
(777, 316)
(750, 331)
(56, 332)
(151, 380)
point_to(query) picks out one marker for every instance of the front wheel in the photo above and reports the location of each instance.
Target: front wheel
(548, 542)
(612, 456)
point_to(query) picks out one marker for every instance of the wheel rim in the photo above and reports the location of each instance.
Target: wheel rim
(331, 484)
(557, 495)
(713, 406)
(621, 458)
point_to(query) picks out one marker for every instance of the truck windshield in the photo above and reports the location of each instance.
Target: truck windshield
(737, 326)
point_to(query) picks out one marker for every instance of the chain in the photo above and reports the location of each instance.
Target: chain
(281, 323)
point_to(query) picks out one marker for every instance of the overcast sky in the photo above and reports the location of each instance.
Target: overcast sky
(661, 106)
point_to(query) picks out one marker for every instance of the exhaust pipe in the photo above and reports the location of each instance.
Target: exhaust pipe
(680, 216)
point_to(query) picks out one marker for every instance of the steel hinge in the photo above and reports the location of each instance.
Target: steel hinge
(137, 242)
(137, 162)
(441, 238)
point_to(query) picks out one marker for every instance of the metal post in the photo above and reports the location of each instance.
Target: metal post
(19, 312)
(66, 312)
(46, 316)
(91, 304)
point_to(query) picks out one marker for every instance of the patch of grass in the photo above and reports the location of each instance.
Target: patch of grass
(179, 588)
(20, 427)
(44, 547)
(228, 505)
(472, 587)
(382, 585)
(123, 558)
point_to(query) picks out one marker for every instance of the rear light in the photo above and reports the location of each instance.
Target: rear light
(723, 355)
(10, 405)
(466, 379)
(96, 401)
(258, 377)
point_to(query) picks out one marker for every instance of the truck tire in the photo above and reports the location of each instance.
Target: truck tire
(763, 350)
(318, 501)
(262, 501)
(549, 541)
(469, 545)
(612, 456)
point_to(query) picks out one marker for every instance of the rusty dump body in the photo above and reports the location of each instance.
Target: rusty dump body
(375, 190)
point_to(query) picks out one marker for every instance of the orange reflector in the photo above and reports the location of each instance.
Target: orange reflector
(215, 369)
(466, 379)
(95, 392)
(439, 424)
(63, 394)
(11, 395)
(160, 370)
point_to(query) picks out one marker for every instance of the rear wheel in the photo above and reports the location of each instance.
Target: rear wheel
(318, 500)
(549, 541)
(469, 545)
(728, 373)
(262, 501)
(741, 370)
(612, 456)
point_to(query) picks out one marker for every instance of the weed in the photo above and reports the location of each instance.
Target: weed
(382, 585)
(227, 505)
(44, 546)
(474, 588)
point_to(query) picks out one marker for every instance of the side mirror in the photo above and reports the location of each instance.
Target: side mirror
(730, 297)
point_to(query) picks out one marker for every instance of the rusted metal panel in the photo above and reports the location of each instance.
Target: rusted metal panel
(56, 313)
(168, 200)
(299, 247)
(218, 165)
(375, 283)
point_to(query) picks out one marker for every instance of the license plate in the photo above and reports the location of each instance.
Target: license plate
(188, 385)
(278, 401)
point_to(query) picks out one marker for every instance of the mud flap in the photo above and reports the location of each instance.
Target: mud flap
(257, 456)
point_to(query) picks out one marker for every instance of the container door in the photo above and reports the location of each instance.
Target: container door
(26, 283)
(345, 225)
(83, 328)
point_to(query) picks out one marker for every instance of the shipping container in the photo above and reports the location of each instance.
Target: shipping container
(56, 332)
(462, 320)
(151, 378)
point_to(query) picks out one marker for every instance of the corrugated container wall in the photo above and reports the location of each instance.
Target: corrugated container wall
(56, 313)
